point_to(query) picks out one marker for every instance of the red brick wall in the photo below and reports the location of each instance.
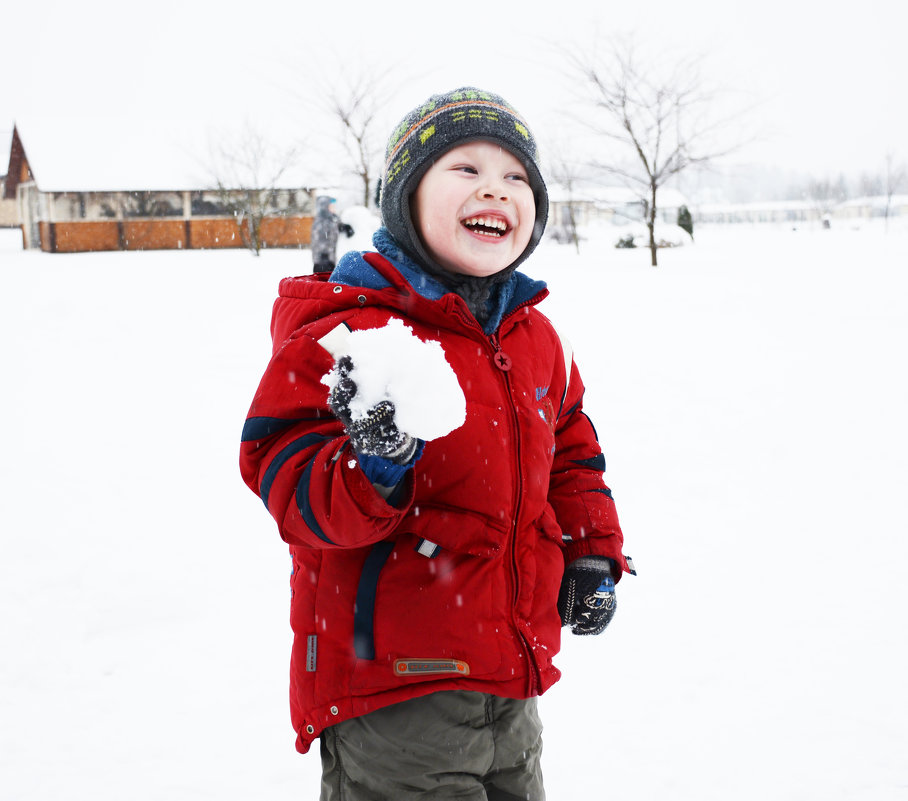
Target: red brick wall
(279, 232)
(214, 234)
(154, 234)
(81, 236)
(77, 237)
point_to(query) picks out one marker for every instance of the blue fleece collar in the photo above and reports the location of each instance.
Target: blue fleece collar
(354, 270)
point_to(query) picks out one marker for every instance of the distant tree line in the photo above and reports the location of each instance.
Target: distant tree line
(826, 192)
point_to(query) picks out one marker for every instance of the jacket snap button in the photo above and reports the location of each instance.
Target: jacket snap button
(333, 710)
(310, 729)
(361, 299)
(502, 361)
(338, 289)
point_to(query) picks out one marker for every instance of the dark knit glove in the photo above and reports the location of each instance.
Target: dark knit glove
(587, 601)
(375, 434)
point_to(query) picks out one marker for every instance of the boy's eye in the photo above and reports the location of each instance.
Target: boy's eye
(516, 176)
(466, 168)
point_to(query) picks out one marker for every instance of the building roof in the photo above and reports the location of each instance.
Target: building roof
(113, 154)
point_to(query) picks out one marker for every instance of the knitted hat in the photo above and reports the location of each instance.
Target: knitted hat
(427, 132)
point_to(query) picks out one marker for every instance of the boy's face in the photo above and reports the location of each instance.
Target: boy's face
(474, 209)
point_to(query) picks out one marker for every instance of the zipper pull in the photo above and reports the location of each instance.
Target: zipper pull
(501, 359)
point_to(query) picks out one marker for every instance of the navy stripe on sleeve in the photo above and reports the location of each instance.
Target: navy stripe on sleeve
(256, 428)
(605, 491)
(593, 463)
(305, 507)
(287, 452)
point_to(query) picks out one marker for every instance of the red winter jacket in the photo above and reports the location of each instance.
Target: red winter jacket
(456, 586)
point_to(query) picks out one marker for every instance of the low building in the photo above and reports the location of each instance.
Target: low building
(103, 187)
(796, 212)
(789, 211)
(593, 204)
(872, 207)
(9, 217)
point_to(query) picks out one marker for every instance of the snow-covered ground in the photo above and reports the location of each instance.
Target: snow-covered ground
(751, 397)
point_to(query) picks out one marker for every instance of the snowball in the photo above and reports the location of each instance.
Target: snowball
(392, 363)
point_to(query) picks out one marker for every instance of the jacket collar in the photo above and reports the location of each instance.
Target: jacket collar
(354, 270)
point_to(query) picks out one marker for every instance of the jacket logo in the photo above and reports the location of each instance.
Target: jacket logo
(428, 667)
(546, 411)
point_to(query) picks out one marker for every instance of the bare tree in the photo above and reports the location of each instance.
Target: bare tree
(894, 179)
(356, 101)
(870, 184)
(662, 122)
(825, 194)
(567, 174)
(247, 171)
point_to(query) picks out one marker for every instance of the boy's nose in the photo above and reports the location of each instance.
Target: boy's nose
(492, 190)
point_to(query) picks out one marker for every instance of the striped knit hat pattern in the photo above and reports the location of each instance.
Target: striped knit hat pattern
(430, 130)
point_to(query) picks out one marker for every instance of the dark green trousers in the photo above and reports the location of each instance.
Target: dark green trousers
(447, 745)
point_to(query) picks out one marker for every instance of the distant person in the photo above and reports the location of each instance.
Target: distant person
(325, 228)
(431, 580)
(686, 220)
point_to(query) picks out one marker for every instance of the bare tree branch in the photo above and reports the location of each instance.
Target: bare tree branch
(247, 172)
(894, 179)
(567, 174)
(665, 121)
(356, 101)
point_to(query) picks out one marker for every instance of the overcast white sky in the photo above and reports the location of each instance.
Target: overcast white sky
(829, 78)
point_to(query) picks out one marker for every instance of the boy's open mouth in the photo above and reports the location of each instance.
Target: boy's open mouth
(487, 226)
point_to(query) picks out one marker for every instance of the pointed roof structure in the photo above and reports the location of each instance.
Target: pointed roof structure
(18, 169)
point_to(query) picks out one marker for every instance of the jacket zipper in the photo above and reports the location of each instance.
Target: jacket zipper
(533, 668)
(534, 678)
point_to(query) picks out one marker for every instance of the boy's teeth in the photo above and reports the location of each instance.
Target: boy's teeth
(486, 222)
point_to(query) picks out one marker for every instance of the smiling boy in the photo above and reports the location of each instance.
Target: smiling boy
(474, 209)
(431, 579)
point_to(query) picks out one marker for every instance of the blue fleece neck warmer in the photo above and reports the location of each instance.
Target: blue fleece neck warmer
(354, 270)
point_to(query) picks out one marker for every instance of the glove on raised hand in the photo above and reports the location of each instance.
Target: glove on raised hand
(374, 434)
(586, 601)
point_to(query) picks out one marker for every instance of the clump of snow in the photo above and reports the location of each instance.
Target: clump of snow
(667, 235)
(392, 363)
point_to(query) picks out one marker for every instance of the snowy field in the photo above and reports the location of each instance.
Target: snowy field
(751, 395)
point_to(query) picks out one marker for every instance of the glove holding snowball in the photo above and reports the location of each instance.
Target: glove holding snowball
(375, 433)
(586, 601)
